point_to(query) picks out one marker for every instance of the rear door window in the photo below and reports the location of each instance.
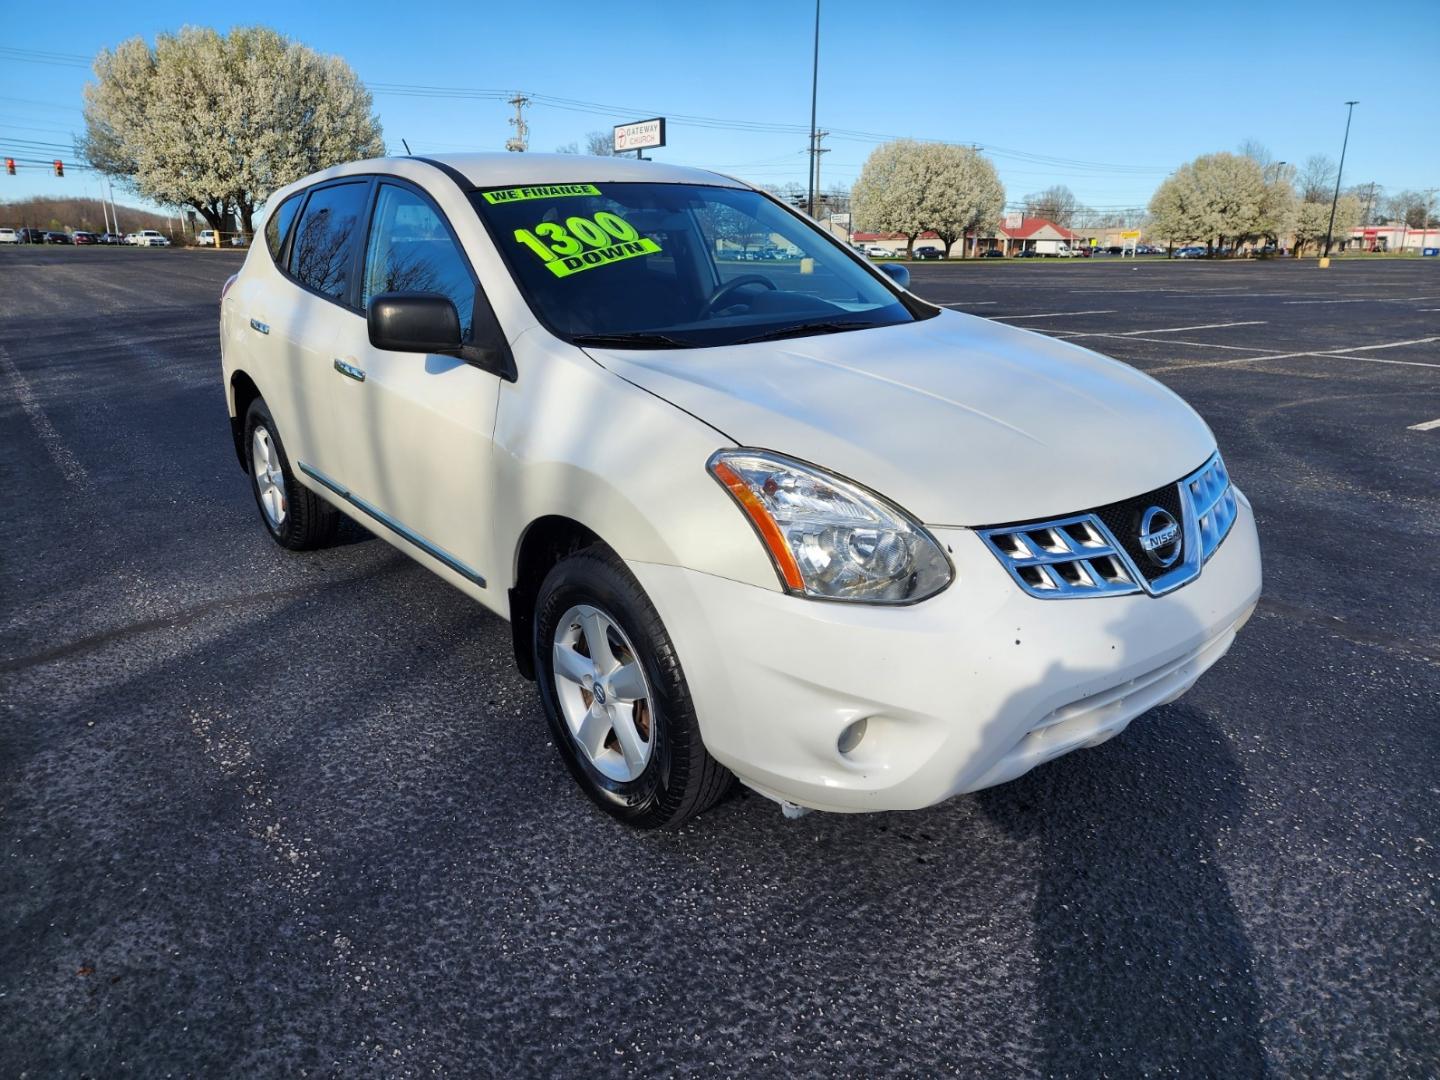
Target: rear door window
(322, 256)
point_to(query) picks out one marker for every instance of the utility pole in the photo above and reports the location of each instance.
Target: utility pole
(520, 141)
(816, 197)
(114, 210)
(814, 91)
(1425, 234)
(1339, 172)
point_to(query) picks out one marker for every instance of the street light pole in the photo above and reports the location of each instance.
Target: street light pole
(1329, 229)
(814, 91)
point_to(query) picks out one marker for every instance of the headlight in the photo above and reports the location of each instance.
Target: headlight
(831, 539)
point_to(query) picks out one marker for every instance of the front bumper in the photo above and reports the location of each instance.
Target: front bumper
(963, 691)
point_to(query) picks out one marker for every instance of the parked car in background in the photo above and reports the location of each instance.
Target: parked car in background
(1192, 252)
(111, 238)
(719, 553)
(992, 253)
(929, 252)
(205, 238)
(57, 237)
(150, 238)
(1027, 253)
(31, 236)
(80, 236)
(875, 251)
(9, 236)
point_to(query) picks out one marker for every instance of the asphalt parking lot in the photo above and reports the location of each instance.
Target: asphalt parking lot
(266, 813)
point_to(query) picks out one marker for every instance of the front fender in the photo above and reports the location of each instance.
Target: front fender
(577, 441)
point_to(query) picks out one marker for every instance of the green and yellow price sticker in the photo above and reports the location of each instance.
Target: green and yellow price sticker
(542, 191)
(585, 243)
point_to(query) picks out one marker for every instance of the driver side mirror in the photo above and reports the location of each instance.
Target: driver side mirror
(897, 273)
(414, 322)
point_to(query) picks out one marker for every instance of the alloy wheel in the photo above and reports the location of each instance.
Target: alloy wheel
(603, 693)
(269, 476)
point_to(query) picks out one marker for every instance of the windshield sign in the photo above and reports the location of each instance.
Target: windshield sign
(680, 266)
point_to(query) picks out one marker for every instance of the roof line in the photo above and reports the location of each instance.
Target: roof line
(461, 180)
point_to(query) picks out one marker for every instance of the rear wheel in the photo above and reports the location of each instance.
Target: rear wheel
(615, 696)
(295, 516)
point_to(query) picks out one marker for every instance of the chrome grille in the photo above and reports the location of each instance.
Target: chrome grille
(1074, 556)
(1212, 502)
(1084, 555)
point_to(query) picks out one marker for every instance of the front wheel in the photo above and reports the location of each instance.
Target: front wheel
(615, 696)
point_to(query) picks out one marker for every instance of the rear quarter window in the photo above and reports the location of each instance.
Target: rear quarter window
(278, 226)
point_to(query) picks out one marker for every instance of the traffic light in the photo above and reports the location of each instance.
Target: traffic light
(10, 165)
(59, 167)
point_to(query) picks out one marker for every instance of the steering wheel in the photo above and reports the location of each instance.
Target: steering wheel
(724, 292)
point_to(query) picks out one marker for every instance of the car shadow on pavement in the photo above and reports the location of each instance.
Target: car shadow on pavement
(1143, 962)
(351, 531)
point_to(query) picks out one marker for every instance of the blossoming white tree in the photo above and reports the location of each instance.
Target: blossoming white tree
(219, 121)
(911, 187)
(1214, 198)
(1313, 219)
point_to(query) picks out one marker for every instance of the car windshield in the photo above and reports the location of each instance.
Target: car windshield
(680, 266)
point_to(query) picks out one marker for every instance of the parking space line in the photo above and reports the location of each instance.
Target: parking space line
(970, 303)
(1429, 425)
(54, 443)
(1368, 300)
(1336, 354)
(1168, 330)
(1172, 341)
(1056, 314)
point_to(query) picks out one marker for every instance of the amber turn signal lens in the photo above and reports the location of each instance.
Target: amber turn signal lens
(770, 533)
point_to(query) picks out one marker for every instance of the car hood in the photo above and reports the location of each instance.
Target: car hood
(960, 420)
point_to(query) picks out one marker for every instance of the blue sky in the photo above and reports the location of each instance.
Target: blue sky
(1104, 98)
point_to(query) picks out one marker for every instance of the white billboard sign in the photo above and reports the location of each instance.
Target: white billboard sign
(641, 135)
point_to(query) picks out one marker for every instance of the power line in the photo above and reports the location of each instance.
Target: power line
(694, 120)
(35, 56)
(40, 104)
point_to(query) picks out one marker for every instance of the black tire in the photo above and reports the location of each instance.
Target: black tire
(681, 779)
(309, 521)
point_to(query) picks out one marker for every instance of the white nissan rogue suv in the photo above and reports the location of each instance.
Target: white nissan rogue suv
(784, 521)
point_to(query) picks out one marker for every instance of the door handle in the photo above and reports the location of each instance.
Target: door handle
(349, 370)
(256, 324)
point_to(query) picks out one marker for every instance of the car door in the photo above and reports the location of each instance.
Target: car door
(300, 315)
(417, 429)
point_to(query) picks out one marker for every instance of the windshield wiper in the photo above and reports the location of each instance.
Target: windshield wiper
(827, 326)
(640, 339)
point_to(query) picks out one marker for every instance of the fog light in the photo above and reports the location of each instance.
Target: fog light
(851, 736)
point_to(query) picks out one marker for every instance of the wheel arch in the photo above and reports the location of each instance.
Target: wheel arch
(243, 391)
(545, 541)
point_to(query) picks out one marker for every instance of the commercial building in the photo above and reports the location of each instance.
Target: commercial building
(1397, 236)
(1011, 236)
